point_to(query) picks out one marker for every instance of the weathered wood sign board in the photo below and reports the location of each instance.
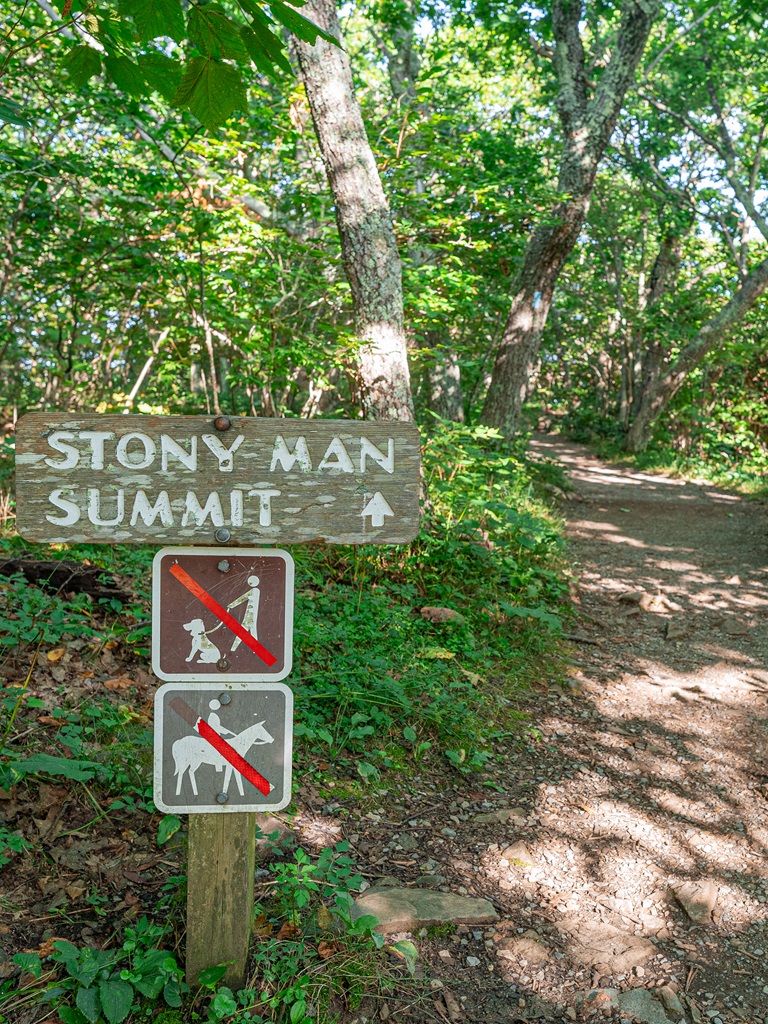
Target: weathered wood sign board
(195, 480)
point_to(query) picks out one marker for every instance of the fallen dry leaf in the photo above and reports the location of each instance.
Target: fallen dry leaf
(262, 927)
(110, 645)
(45, 948)
(326, 949)
(55, 655)
(288, 931)
(47, 720)
(75, 891)
(453, 1006)
(120, 683)
(324, 918)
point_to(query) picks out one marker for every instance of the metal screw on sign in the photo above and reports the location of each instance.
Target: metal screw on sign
(222, 423)
(225, 698)
(223, 566)
(221, 798)
(222, 535)
(222, 664)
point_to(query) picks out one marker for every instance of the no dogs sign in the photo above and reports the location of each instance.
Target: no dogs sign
(222, 615)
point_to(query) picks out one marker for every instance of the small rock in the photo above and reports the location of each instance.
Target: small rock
(473, 961)
(643, 1006)
(518, 854)
(506, 815)
(677, 629)
(631, 596)
(670, 1001)
(441, 615)
(435, 984)
(697, 899)
(734, 627)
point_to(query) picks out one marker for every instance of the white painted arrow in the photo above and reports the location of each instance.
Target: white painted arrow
(377, 508)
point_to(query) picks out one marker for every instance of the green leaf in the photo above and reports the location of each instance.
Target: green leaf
(211, 91)
(407, 951)
(409, 733)
(212, 975)
(10, 113)
(116, 999)
(367, 771)
(224, 1003)
(298, 1010)
(160, 73)
(172, 993)
(168, 827)
(82, 63)
(126, 75)
(87, 1000)
(299, 25)
(68, 768)
(156, 18)
(67, 953)
(29, 962)
(215, 34)
(265, 49)
(69, 1015)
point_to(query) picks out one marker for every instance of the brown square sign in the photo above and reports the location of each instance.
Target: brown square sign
(222, 614)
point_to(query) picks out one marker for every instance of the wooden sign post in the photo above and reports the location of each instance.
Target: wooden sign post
(219, 484)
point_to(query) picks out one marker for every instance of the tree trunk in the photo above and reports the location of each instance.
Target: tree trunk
(587, 124)
(368, 244)
(446, 398)
(658, 392)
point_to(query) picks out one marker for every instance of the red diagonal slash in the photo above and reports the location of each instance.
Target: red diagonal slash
(221, 613)
(227, 751)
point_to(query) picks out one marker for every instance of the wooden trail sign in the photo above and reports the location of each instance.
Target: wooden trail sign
(195, 480)
(199, 481)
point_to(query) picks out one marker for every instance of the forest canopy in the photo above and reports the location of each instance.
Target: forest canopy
(563, 206)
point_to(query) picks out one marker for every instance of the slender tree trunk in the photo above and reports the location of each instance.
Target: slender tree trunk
(368, 244)
(587, 123)
(446, 398)
(659, 392)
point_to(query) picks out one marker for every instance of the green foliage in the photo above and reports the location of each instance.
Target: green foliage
(194, 42)
(326, 953)
(10, 843)
(489, 550)
(105, 986)
(29, 614)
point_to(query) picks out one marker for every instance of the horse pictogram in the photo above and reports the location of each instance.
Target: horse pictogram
(190, 752)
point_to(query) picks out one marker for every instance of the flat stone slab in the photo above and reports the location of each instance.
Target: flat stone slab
(406, 910)
(604, 947)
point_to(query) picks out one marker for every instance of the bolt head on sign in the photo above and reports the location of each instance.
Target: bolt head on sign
(222, 615)
(223, 748)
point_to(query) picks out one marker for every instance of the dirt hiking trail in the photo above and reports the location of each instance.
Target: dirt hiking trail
(627, 856)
